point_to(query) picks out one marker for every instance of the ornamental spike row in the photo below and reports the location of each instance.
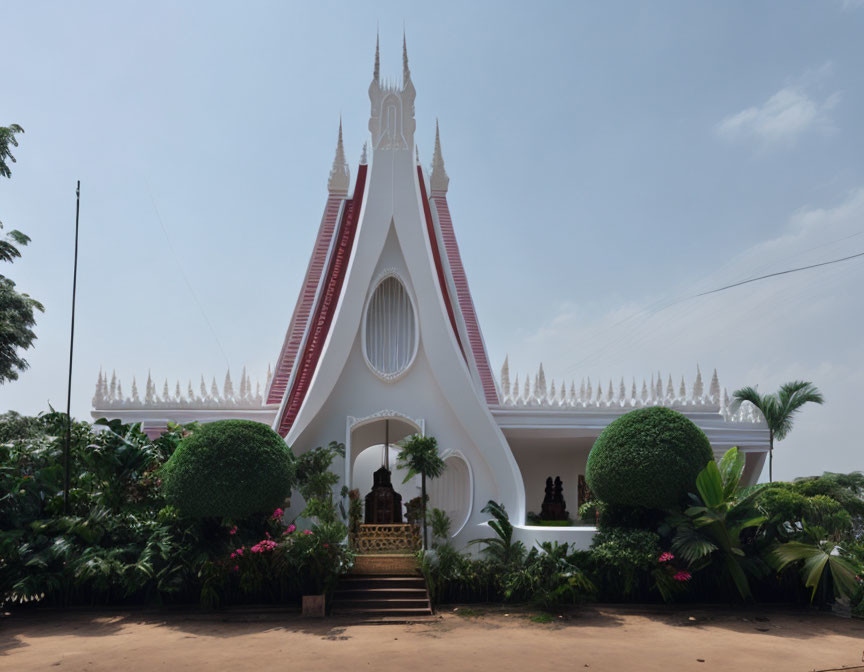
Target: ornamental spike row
(110, 396)
(653, 393)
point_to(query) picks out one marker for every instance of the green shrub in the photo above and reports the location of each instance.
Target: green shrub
(229, 468)
(647, 458)
(624, 558)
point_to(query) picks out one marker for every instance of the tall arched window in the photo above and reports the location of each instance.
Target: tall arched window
(390, 332)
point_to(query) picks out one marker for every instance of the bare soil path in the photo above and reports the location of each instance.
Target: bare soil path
(593, 639)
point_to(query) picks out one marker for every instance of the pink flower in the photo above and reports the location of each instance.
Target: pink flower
(665, 557)
(239, 552)
(291, 528)
(682, 576)
(233, 530)
(307, 531)
(263, 545)
(236, 568)
(326, 545)
(234, 554)
(277, 514)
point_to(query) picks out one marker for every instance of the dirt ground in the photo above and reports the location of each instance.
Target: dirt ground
(594, 639)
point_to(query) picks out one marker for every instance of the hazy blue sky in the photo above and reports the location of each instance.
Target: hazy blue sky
(605, 159)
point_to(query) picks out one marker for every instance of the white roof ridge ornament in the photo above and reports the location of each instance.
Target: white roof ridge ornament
(340, 174)
(438, 179)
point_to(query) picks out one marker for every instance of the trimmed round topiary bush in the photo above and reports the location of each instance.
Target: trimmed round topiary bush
(647, 458)
(229, 468)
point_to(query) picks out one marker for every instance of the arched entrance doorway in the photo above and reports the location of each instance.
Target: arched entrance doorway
(372, 443)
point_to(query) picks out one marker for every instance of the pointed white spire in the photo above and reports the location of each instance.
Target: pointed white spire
(505, 377)
(190, 394)
(406, 71)
(540, 388)
(363, 159)
(98, 397)
(682, 391)
(633, 392)
(177, 393)
(268, 379)
(119, 398)
(214, 390)
(588, 390)
(527, 392)
(203, 388)
(697, 384)
(112, 391)
(376, 73)
(149, 390)
(438, 180)
(340, 175)
(714, 388)
(166, 395)
(228, 388)
(659, 390)
(622, 392)
(244, 387)
(135, 398)
(670, 388)
(610, 394)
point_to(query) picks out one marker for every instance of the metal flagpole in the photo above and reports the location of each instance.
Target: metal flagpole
(66, 450)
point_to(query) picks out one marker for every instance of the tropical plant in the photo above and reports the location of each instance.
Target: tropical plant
(779, 409)
(419, 455)
(647, 458)
(315, 481)
(711, 528)
(229, 468)
(549, 576)
(824, 561)
(501, 549)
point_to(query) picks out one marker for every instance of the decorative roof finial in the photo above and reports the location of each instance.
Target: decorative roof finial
(340, 175)
(438, 180)
(376, 73)
(363, 159)
(406, 72)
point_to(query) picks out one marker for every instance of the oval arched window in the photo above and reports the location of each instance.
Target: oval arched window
(391, 332)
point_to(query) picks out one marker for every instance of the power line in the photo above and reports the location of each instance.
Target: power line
(771, 275)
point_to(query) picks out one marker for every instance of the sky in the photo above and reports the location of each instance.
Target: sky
(608, 161)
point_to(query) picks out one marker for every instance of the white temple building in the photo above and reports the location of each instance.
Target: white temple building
(384, 341)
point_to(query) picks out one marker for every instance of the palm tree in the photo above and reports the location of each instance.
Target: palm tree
(779, 409)
(419, 455)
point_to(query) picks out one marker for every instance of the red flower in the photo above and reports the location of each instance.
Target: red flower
(682, 576)
(665, 557)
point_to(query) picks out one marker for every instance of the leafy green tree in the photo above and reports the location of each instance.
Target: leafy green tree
(7, 138)
(17, 310)
(419, 455)
(779, 409)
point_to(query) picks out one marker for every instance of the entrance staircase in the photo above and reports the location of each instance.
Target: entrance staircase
(383, 598)
(385, 585)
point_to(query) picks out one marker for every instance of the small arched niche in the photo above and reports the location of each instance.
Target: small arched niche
(451, 492)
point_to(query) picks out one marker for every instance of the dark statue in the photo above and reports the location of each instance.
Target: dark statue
(383, 504)
(554, 507)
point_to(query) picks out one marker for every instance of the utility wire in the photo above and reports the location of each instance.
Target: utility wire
(771, 275)
(658, 307)
(184, 276)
